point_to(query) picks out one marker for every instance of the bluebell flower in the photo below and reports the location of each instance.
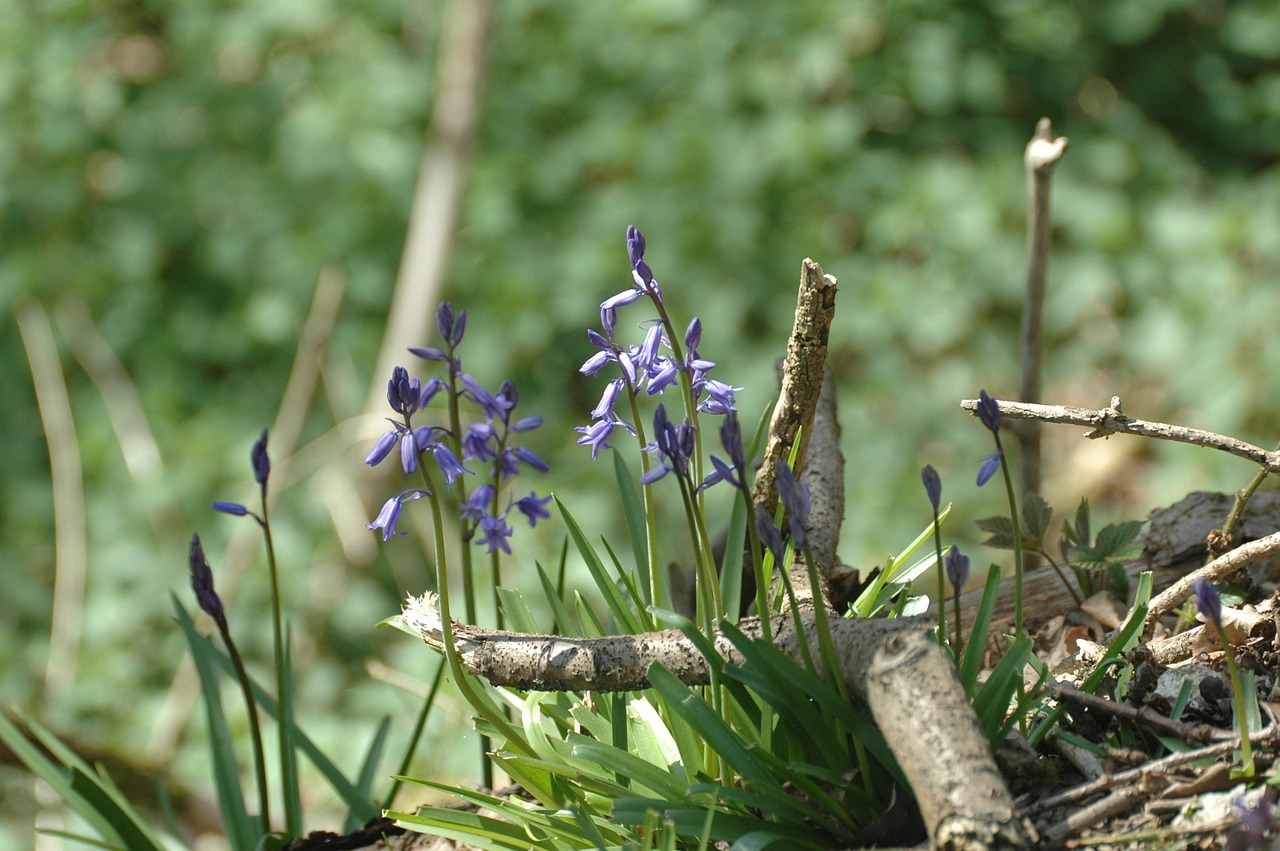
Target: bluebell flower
(735, 469)
(794, 496)
(495, 406)
(496, 532)
(609, 398)
(477, 505)
(450, 326)
(233, 508)
(385, 444)
(932, 485)
(596, 435)
(260, 460)
(448, 463)
(202, 584)
(957, 569)
(1208, 601)
(389, 516)
(989, 466)
(770, 537)
(404, 393)
(674, 444)
(514, 457)
(989, 412)
(719, 399)
(533, 507)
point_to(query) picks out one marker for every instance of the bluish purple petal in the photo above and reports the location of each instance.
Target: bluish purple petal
(988, 469)
(233, 508)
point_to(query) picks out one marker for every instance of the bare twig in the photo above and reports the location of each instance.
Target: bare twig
(1218, 569)
(1042, 154)
(1111, 420)
(71, 553)
(1141, 715)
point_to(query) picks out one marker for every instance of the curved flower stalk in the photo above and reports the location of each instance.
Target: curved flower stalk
(486, 443)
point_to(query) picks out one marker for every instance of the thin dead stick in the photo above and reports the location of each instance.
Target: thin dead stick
(1111, 420)
(1158, 769)
(1141, 715)
(71, 550)
(1216, 570)
(436, 199)
(1042, 154)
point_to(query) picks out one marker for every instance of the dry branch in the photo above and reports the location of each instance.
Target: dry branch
(1105, 422)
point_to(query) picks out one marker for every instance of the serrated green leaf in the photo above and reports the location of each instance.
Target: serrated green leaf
(1118, 541)
(1000, 531)
(1036, 515)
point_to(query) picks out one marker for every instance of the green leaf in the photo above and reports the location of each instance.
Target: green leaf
(633, 514)
(563, 623)
(519, 618)
(1036, 515)
(242, 832)
(369, 770)
(1000, 530)
(1119, 541)
(623, 614)
(976, 647)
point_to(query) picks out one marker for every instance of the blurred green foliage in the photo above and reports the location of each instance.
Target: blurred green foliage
(185, 171)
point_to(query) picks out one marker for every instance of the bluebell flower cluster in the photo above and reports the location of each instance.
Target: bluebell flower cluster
(653, 365)
(487, 441)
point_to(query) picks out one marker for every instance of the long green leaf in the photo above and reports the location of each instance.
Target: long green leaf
(637, 530)
(971, 664)
(625, 617)
(242, 831)
(344, 788)
(563, 620)
(369, 769)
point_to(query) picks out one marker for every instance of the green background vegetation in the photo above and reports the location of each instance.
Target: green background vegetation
(180, 174)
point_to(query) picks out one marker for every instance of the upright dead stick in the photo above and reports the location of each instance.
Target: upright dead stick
(802, 373)
(1042, 154)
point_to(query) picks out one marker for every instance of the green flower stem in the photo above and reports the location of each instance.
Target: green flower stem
(481, 704)
(288, 759)
(1242, 719)
(419, 724)
(959, 648)
(659, 588)
(468, 571)
(942, 580)
(255, 730)
(1019, 629)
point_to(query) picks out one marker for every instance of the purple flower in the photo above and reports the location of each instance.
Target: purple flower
(596, 436)
(733, 471)
(1208, 601)
(261, 462)
(450, 326)
(989, 466)
(389, 516)
(202, 585)
(496, 532)
(957, 569)
(495, 407)
(932, 485)
(769, 534)
(514, 457)
(448, 463)
(533, 507)
(233, 508)
(477, 505)
(720, 398)
(385, 444)
(403, 393)
(674, 444)
(989, 412)
(794, 496)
